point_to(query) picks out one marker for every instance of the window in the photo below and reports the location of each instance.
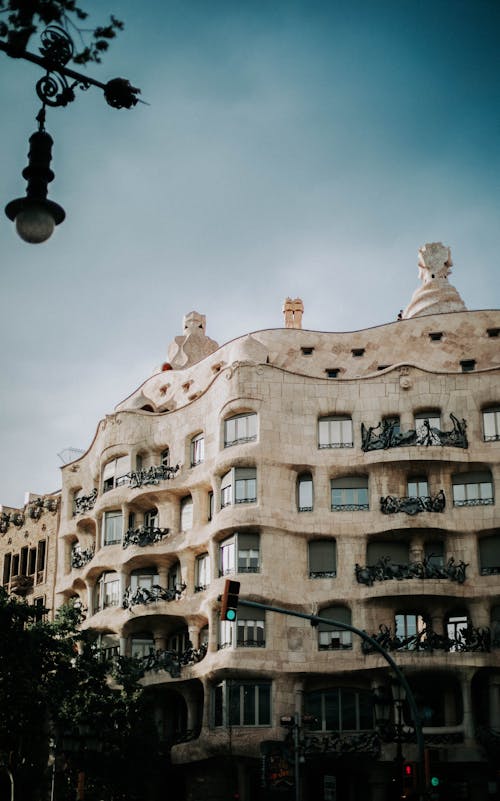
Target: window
(493, 332)
(410, 629)
(472, 489)
(382, 551)
(115, 473)
(305, 493)
(112, 527)
(331, 637)
(107, 591)
(165, 457)
(240, 428)
(210, 505)
(186, 513)
(340, 709)
(242, 703)
(40, 559)
(491, 424)
(143, 578)
(417, 487)
(434, 554)
(468, 365)
(335, 432)
(427, 424)
(174, 578)
(358, 352)
(142, 645)
(240, 554)
(307, 351)
(239, 485)
(322, 559)
(456, 626)
(489, 556)
(7, 560)
(436, 336)
(150, 519)
(108, 646)
(197, 449)
(332, 372)
(349, 494)
(250, 628)
(202, 572)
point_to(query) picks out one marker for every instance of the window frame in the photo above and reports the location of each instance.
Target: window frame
(494, 412)
(354, 484)
(197, 449)
(343, 639)
(322, 543)
(239, 547)
(247, 421)
(203, 572)
(361, 696)
(112, 475)
(228, 697)
(101, 593)
(186, 513)
(236, 487)
(305, 479)
(473, 497)
(331, 437)
(111, 514)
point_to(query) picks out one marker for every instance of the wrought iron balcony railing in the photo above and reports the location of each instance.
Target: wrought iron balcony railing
(412, 505)
(385, 570)
(387, 434)
(350, 507)
(151, 475)
(84, 503)
(337, 743)
(81, 557)
(172, 661)
(426, 640)
(319, 574)
(143, 536)
(143, 595)
(490, 571)
(475, 502)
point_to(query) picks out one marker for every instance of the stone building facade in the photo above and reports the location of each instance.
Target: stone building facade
(348, 475)
(28, 549)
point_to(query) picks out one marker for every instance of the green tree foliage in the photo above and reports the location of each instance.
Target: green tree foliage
(20, 19)
(57, 694)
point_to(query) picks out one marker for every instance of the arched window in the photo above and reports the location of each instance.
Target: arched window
(305, 495)
(331, 637)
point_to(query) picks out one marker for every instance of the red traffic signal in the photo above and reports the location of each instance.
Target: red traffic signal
(409, 775)
(230, 600)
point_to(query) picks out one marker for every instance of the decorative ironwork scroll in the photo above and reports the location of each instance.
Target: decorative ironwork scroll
(144, 535)
(81, 557)
(337, 745)
(151, 475)
(172, 661)
(143, 595)
(467, 639)
(84, 503)
(385, 570)
(386, 434)
(412, 505)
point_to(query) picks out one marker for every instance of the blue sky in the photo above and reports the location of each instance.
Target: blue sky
(290, 147)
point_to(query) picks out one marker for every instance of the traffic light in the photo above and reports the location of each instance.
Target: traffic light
(409, 778)
(229, 604)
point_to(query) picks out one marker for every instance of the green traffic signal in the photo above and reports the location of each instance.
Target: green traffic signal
(230, 614)
(434, 781)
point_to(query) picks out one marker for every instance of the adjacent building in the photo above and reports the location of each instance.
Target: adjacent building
(348, 475)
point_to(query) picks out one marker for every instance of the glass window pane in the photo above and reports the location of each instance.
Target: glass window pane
(234, 704)
(348, 701)
(458, 492)
(249, 705)
(264, 704)
(332, 710)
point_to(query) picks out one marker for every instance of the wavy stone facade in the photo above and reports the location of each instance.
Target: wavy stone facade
(350, 475)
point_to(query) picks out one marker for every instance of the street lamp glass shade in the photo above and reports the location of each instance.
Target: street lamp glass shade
(35, 223)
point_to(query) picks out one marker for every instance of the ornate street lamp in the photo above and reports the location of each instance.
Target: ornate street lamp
(34, 215)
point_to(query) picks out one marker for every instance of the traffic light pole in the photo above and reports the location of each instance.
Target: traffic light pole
(417, 721)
